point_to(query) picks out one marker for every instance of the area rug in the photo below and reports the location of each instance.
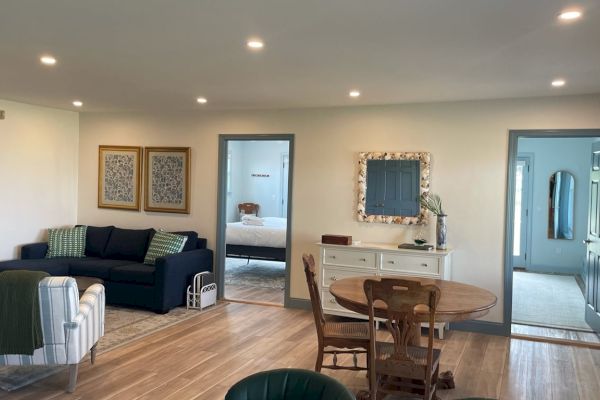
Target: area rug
(121, 326)
(548, 300)
(258, 273)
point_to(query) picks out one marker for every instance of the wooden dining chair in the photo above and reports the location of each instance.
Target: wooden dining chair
(248, 208)
(398, 369)
(334, 337)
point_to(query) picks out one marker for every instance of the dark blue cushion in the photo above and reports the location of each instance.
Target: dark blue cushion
(54, 266)
(192, 238)
(96, 267)
(128, 244)
(96, 240)
(133, 273)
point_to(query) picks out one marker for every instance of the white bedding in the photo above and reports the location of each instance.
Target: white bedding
(271, 234)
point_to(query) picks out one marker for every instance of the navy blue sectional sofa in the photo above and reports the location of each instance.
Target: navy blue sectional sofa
(116, 256)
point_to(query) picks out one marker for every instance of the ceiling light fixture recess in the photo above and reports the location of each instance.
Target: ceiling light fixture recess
(570, 15)
(558, 82)
(354, 93)
(255, 44)
(202, 100)
(77, 103)
(47, 60)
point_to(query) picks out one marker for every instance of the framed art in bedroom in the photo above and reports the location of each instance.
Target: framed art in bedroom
(119, 177)
(167, 179)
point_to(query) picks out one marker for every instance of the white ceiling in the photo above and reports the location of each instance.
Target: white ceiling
(162, 54)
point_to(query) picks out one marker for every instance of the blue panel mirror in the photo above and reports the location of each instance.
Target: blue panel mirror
(561, 205)
(391, 185)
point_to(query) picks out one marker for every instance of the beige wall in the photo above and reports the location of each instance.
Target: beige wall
(468, 142)
(38, 173)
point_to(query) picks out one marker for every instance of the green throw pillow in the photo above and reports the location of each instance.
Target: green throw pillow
(66, 242)
(163, 244)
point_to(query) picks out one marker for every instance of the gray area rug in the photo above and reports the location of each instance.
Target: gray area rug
(258, 273)
(122, 326)
(548, 300)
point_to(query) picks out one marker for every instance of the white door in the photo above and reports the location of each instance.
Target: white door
(521, 221)
(285, 164)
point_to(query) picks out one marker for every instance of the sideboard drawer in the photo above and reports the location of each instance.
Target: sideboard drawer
(410, 264)
(344, 258)
(329, 302)
(331, 274)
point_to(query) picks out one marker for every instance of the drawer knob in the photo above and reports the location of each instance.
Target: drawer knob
(362, 259)
(424, 265)
(332, 301)
(333, 278)
(391, 262)
(332, 257)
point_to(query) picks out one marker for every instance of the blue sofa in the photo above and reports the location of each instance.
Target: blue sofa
(116, 256)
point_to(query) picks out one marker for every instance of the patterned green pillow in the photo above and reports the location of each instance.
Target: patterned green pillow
(163, 244)
(66, 242)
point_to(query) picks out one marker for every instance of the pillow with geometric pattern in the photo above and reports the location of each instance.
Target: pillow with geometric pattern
(66, 242)
(163, 244)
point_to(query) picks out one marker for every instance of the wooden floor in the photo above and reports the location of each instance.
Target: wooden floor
(202, 357)
(553, 333)
(253, 293)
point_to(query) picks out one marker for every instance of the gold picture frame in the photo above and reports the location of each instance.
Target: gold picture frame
(167, 179)
(119, 177)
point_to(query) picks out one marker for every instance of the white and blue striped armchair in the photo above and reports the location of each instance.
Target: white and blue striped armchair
(71, 326)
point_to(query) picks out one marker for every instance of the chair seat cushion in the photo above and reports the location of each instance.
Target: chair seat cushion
(133, 273)
(96, 267)
(53, 266)
(350, 330)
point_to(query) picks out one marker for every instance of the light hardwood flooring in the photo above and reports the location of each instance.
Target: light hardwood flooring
(253, 293)
(202, 357)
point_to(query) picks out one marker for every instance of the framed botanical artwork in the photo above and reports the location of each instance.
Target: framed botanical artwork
(119, 177)
(167, 179)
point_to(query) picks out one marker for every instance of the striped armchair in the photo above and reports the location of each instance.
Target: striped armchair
(71, 326)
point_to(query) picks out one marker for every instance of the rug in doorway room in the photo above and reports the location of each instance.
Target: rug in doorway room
(257, 273)
(121, 326)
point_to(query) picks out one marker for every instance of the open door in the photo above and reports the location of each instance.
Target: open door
(521, 215)
(592, 303)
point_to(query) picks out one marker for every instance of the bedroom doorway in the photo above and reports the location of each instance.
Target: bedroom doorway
(253, 218)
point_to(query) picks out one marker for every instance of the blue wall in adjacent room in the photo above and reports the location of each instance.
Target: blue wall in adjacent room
(551, 155)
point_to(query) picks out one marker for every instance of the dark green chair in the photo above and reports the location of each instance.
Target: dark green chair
(289, 384)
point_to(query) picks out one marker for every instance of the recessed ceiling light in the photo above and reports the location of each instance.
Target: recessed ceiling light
(255, 44)
(77, 103)
(202, 100)
(558, 82)
(354, 93)
(48, 60)
(569, 15)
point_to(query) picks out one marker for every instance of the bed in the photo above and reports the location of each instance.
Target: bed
(266, 242)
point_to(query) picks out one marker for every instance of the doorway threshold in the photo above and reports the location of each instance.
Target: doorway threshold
(555, 335)
(257, 303)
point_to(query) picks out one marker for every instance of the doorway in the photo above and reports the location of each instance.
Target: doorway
(548, 219)
(253, 224)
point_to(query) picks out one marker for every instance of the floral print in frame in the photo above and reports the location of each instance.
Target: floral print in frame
(167, 179)
(119, 177)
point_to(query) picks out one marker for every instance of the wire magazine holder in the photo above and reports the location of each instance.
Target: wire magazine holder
(202, 292)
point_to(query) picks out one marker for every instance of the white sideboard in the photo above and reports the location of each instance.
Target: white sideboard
(377, 259)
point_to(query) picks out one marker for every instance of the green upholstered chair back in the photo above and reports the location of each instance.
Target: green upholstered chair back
(289, 384)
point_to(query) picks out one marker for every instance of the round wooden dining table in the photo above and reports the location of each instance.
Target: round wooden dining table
(458, 302)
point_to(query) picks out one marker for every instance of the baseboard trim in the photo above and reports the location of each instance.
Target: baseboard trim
(486, 327)
(302, 304)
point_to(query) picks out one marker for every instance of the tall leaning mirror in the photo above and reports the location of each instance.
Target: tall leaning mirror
(390, 186)
(561, 205)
